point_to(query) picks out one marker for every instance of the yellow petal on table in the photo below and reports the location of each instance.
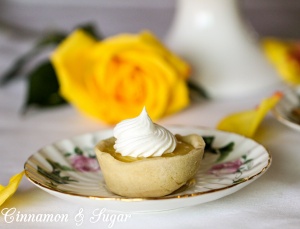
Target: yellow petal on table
(11, 188)
(247, 122)
(285, 56)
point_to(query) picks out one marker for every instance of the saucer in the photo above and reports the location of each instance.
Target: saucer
(282, 110)
(68, 169)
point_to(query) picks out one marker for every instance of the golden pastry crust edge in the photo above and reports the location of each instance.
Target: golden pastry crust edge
(151, 177)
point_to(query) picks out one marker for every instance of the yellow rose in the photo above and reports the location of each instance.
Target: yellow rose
(113, 79)
(285, 55)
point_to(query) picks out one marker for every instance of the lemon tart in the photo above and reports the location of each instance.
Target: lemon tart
(143, 159)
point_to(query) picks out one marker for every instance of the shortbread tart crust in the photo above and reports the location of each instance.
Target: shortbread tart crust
(150, 177)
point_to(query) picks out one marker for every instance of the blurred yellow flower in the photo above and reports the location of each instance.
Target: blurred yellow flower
(247, 122)
(114, 79)
(11, 188)
(285, 55)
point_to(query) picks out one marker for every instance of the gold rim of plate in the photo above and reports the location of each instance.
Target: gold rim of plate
(171, 196)
(281, 115)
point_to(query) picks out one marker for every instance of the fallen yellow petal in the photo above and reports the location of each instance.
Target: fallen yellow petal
(11, 188)
(247, 122)
(284, 55)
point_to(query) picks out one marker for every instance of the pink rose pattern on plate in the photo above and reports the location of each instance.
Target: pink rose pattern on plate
(226, 168)
(84, 164)
(236, 167)
(82, 161)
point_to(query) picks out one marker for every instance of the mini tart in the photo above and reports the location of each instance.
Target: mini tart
(149, 177)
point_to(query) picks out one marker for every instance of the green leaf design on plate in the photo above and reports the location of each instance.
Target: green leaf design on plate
(87, 152)
(55, 176)
(239, 180)
(78, 151)
(208, 142)
(247, 164)
(223, 151)
(58, 167)
(248, 161)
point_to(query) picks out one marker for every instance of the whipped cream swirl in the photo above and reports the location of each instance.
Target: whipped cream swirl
(140, 137)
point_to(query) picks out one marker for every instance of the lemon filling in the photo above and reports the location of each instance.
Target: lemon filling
(182, 148)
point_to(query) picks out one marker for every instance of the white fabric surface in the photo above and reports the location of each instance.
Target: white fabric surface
(272, 201)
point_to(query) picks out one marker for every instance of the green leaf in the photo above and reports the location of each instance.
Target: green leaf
(50, 39)
(208, 144)
(43, 87)
(20, 63)
(68, 154)
(248, 161)
(225, 150)
(58, 167)
(17, 67)
(78, 151)
(240, 180)
(91, 30)
(53, 38)
(208, 140)
(198, 89)
(56, 178)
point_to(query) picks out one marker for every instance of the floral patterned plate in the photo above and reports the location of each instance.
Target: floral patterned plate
(69, 170)
(283, 109)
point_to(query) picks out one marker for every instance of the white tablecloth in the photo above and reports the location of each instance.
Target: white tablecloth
(272, 201)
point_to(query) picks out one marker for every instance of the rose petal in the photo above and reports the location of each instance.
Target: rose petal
(182, 67)
(113, 79)
(247, 122)
(69, 59)
(7, 191)
(281, 54)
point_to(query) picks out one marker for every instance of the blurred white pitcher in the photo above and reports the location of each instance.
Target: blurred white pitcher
(225, 54)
